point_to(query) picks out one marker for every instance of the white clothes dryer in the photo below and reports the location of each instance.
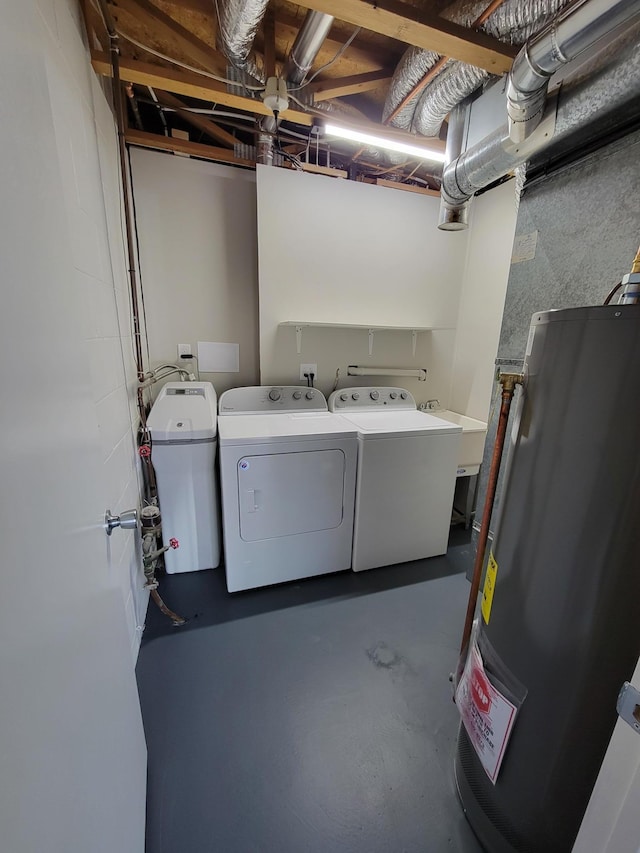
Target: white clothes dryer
(407, 462)
(288, 473)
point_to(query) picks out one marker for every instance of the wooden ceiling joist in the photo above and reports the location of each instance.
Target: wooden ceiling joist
(183, 146)
(415, 27)
(163, 27)
(324, 90)
(210, 128)
(205, 89)
(190, 84)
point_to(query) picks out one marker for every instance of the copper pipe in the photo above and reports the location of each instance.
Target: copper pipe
(508, 382)
(177, 620)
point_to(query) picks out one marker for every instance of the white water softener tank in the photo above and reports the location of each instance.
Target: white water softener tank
(183, 431)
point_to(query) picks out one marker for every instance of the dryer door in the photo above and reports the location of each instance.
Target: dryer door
(284, 494)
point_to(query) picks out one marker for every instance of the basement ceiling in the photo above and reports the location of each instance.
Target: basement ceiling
(165, 45)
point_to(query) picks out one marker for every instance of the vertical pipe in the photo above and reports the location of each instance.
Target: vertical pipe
(508, 382)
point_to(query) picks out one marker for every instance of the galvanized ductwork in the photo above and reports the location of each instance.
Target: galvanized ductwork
(306, 46)
(607, 91)
(575, 30)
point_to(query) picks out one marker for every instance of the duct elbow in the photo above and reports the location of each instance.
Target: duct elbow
(525, 111)
(454, 215)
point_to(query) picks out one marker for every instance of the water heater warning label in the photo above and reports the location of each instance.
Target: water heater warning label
(487, 715)
(489, 587)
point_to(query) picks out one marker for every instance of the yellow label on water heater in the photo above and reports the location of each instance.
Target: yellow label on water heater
(489, 587)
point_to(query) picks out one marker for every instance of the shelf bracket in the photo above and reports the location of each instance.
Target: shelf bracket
(414, 341)
(299, 339)
(371, 341)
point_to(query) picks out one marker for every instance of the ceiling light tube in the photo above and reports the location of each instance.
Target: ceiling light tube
(382, 142)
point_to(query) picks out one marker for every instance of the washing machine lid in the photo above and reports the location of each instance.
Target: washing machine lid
(184, 411)
(399, 423)
(285, 427)
(468, 424)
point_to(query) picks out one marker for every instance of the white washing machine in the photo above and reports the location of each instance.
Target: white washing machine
(182, 423)
(288, 473)
(407, 462)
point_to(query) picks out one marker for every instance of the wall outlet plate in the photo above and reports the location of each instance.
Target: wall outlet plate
(184, 349)
(308, 368)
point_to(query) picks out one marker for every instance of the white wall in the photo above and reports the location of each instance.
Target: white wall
(86, 146)
(348, 252)
(491, 231)
(197, 234)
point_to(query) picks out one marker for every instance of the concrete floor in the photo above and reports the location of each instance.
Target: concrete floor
(310, 717)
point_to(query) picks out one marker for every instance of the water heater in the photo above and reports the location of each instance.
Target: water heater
(564, 617)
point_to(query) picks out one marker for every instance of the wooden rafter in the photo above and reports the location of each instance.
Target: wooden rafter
(163, 26)
(269, 33)
(197, 86)
(208, 127)
(193, 149)
(324, 90)
(413, 26)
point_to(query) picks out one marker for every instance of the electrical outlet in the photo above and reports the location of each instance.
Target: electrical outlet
(308, 368)
(184, 349)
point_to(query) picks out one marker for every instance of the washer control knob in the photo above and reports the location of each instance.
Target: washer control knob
(393, 395)
(374, 395)
(355, 396)
(310, 395)
(297, 395)
(404, 395)
(274, 394)
(344, 397)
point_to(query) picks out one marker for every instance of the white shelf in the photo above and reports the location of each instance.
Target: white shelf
(304, 323)
(299, 325)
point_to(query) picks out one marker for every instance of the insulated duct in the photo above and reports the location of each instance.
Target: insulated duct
(238, 22)
(605, 95)
(513, 22)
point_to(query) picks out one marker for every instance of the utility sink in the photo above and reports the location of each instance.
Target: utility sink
(472, 439)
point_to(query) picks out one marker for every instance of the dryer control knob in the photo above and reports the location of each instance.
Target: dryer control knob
(309, 395)
(404, 395)
(274, 394)
(297, 395)
(374, 395)
(393, 395)
(355, 396)
(344, 397)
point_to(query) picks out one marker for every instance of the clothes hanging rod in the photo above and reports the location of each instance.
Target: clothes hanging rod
(419, 373)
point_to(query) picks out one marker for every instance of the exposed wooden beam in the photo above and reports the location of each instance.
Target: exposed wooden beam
(196, 86)
(211, 129)
(409, 188)
(413, 26)
(164, 26)
(190, 84)
(182, 146)
(269, 34)
(323, 90)
(324, 170)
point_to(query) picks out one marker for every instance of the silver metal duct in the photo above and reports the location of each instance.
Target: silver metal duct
(456, 219)
(311, 35)
(306, 46)
(598, 98)
(574, 31)
(238, 22)
(513, 22)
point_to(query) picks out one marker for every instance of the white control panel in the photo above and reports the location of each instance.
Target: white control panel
(371, 398)
(271, 398)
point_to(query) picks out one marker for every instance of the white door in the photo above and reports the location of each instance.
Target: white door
(72, 766)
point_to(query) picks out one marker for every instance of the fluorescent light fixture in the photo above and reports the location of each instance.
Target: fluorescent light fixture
(382, 142)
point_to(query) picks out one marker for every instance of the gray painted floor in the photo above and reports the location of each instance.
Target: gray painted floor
(309, 717)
